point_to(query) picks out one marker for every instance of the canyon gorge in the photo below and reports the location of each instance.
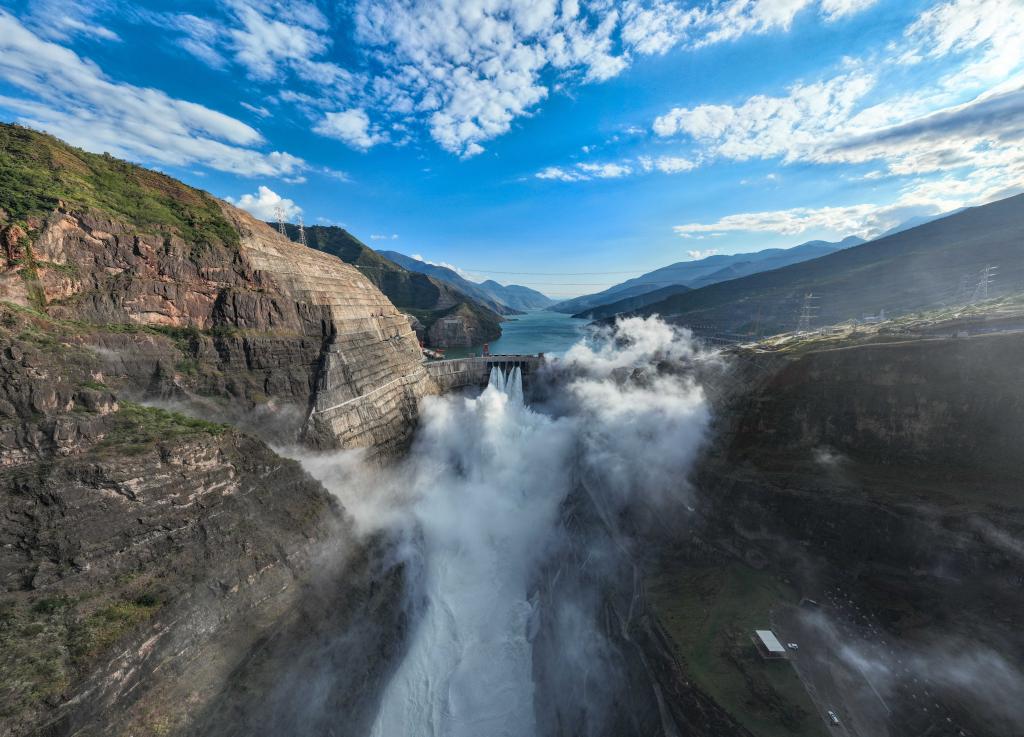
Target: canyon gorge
(238, 501)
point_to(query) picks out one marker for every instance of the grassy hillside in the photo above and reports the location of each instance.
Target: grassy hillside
(39, 172)
(631, 304)
(700, 273)
(913, 270)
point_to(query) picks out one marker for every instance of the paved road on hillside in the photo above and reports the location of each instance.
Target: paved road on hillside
(830, 681)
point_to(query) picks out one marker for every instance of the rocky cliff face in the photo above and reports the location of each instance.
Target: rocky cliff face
(462, 327)
(890, 470)
(266, 321)
(143, 554)
(152, 565)
(426, 298)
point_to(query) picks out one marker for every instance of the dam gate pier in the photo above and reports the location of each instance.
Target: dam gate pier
(456, 373)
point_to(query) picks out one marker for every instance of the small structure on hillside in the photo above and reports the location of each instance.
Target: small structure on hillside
(768, 644)
(874, 319)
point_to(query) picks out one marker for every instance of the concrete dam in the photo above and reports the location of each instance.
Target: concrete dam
(455, 373)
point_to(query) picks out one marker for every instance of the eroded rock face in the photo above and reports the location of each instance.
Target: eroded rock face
(155, 566)
(269, 320)
(889, 470)
(146, 557)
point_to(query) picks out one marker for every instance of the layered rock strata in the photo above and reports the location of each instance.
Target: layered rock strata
(267, 321)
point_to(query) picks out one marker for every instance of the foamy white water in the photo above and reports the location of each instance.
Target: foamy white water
(476, 506)
(491, 475)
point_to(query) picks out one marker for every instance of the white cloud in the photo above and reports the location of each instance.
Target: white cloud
(560, 174)
(859, 219)
(655, 26)
(392, 237)
(352, 127)
(987, 131)
(70, 97)
(471, 68)
(257, 109)
(605, 171)
(698, 255)
(61, 20)
(924, 197)
(836, 9)
(585, 171)
(270, 39)
(989, 33)
(666, 164)
(265, 203)
(466, 70)
(789, 127)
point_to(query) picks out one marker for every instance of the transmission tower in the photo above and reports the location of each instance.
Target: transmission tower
(981, 291)
(963, 293)
(807, 313)
(302, 232)
(279, 213)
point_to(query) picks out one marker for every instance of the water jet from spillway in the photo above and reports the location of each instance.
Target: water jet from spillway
(507, 635)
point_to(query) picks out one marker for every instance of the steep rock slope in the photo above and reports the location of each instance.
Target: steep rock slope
(889, 470)
(509, 299)
(423, 297)
(187, 296)
(143, 554)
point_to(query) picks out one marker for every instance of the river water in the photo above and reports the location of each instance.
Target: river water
(540, 331)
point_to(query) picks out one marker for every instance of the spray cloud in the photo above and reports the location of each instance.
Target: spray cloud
(479, 503)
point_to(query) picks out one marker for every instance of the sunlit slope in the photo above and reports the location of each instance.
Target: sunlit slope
(424, 296)
(934, 264)
(699, 273)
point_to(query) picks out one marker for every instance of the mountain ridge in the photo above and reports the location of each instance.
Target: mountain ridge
(919, 268)
(513, 298)
(424, 297)
(702, 272)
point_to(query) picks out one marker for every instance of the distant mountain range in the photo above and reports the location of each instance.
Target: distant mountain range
(502, 299)
(931, 265)
(424, 297)
(687, 275)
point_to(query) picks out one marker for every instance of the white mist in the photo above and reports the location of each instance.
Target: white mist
(476, 505)
(491, 474)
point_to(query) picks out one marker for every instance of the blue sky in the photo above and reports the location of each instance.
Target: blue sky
(559, 136)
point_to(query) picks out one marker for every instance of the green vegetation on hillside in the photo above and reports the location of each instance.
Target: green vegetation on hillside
(922, 268)
(44, 641)
(37, 172)
(711, 613)
(138, 427)
(407, 290)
